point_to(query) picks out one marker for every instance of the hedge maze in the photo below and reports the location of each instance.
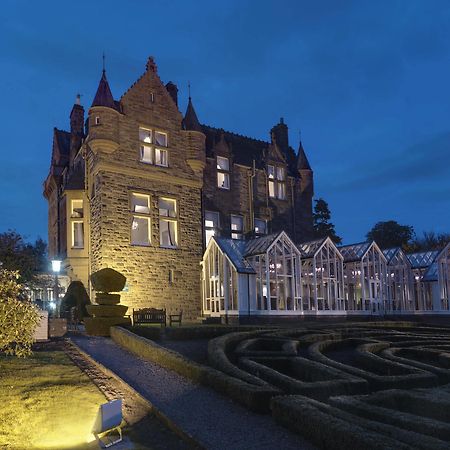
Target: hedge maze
(373, 386)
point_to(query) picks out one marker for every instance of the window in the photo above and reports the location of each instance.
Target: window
(77, 234)
(150, 154)
(237, 227)
(97, 120)
(168, 222)
(223, 172)
(277, 182)
(260, 226)
(140, 223)
(211, 225)
(77, 209)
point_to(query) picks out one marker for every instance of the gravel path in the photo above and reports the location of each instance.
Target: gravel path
(214, 420)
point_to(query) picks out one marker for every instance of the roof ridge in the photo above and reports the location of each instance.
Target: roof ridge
(235, 134)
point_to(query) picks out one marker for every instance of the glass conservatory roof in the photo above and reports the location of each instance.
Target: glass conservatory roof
(308, 249)
(389, 253)
(432, 273)
(258, 246)
(354, 252)
(235, 249)
(422, 259)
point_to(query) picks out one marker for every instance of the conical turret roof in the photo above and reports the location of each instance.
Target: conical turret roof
(302, 160)
(190, 120)
(104, 97)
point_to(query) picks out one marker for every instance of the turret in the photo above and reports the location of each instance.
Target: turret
(196, 138)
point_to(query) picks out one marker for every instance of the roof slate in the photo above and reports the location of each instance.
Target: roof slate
(103, 96)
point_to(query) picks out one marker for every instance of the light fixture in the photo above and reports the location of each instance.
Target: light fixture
(56, 265)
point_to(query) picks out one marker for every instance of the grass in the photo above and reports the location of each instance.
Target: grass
(46, 403)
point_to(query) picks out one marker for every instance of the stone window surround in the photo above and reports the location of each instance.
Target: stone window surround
(141, 215)
(152, 145)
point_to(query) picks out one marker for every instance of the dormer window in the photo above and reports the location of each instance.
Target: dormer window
(277, 181)
(150, 151)
(223, 172)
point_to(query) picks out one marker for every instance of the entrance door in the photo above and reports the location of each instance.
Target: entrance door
(215, 296)
(375, 296)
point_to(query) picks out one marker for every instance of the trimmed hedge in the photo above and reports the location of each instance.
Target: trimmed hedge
(302, 376)
(256, 398)
(371, 365)
(329, 427)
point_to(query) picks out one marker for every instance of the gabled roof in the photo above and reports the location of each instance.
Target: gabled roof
(190, 121)
(389, 253)
(310, 248)
(63, 141)
(103, 96)
(422, 259)
(354, 252)
(302, 160)
(260, 245)
(234, 249)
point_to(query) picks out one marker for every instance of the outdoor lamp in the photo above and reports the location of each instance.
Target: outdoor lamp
(56, 265)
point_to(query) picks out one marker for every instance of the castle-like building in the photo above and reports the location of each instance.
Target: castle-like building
(138, 187)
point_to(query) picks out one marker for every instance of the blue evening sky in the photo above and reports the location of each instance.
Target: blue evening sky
(366, 82)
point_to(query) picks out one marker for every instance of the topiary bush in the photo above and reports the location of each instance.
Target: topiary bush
(76, 296)
(18, 316)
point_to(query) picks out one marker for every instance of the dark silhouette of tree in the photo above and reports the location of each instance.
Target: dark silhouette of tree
(391, 234)
(322, 227)
(18, 255)
(429, 241)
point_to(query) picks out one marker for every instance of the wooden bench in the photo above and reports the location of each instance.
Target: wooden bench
(176, 318)
(149, 315)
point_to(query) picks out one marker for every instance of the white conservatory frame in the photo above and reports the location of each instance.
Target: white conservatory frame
(322, 277)
(365, 276)
(443, 263)
(277, 263)
(400, 280)
(422, 290)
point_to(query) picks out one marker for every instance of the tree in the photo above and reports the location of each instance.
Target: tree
(322, 227)
(18, 255)
(429, 241)
(391, 234)
(18, 316)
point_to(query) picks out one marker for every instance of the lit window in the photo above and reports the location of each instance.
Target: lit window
(145, 135)
(77, 209)
(168, 222)
(211, 225)
(140, 220)
(160, 139)
(223, 172)
(260, 226)
(77, 234)
(277, 182)
(160, 157)
(97, 120)
(237, 227)
(148, 153)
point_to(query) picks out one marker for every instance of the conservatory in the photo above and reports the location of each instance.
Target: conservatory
(436, 281)
(260, 276)
(423, 288)
(322, 277)
(399, 280)
(365, 278)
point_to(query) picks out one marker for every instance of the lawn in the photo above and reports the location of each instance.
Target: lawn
(46, 403)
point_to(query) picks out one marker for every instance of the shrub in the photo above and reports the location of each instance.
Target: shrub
(76, 296)
(18, 316)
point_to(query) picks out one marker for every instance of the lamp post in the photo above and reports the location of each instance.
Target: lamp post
(56, 267)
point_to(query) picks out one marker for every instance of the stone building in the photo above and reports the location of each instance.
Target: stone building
(138, 187)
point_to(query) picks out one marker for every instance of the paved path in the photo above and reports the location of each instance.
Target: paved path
(215, 421)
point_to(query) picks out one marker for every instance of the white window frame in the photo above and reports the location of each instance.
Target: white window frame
(73, 213)
(223, 172)
(276, 181)
(151, 151)
(140, 212)
(168, 218)
(73, 222)
(237, 233)
(211, 230)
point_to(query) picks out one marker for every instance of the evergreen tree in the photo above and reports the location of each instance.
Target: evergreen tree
(322, 227)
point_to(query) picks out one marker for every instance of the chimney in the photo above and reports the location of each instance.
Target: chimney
(280, 132)
(77, 117)
(173, 91)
